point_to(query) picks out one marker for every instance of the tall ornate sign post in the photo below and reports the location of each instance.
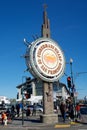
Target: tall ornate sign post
(45, 61)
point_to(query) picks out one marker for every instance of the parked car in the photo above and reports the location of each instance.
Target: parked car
(83, 112)
(39, 108)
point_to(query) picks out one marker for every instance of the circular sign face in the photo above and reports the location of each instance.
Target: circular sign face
(46, 60)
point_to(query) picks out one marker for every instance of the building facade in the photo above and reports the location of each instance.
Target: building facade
(35, 88)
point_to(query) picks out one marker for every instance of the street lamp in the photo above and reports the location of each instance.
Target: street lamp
(72, 84)
(71, 61)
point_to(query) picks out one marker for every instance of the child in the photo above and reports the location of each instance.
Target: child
(4, 118)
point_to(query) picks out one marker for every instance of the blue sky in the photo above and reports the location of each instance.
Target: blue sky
(22, 19)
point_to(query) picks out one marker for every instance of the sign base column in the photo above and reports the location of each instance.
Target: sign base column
(48, 105)
(49, 119)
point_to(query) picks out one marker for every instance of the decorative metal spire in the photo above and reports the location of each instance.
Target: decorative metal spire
(45, 6)
(46, 24)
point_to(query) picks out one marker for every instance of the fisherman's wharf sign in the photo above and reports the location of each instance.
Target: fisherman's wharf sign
(45, 60)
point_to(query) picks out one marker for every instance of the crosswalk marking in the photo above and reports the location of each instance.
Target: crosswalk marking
(62, 126)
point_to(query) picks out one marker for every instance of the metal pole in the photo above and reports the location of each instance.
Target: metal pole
(23, 100)
(72, 83)
(22, 107)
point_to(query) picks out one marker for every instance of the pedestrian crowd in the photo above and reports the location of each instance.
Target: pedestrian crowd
(9, 114)
(70, 110)
(67, 109)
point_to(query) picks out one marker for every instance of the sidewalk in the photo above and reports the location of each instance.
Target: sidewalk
(33, 123)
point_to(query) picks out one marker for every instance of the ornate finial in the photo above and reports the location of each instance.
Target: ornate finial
(45, 6)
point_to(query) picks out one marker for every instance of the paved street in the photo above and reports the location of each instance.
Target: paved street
(33, 123)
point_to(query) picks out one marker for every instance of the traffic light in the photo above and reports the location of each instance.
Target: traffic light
(69, 82)
(72, 94)
(28, 81)
(17, 95)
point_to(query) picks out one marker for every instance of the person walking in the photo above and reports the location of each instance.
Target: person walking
(18, 109)
(71, 111)
(77, 110)
(63, 110)
(28, 112)
(34, 109)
